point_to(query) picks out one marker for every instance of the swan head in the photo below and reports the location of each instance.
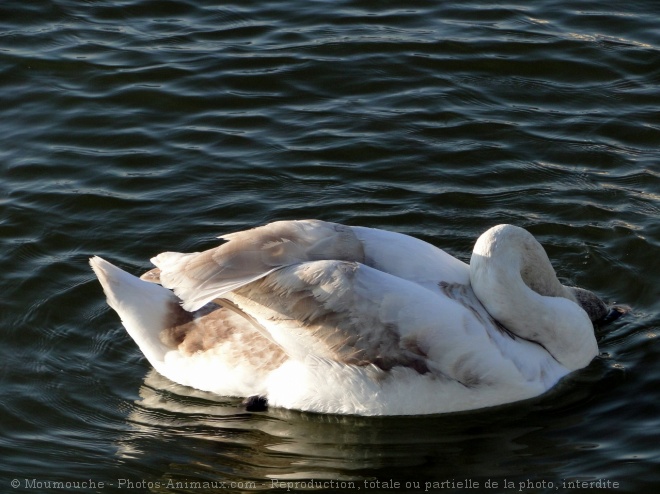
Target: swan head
(513, 278)
(590, 303)
(599, 313)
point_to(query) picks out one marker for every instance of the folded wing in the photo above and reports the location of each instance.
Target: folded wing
(200, 277)
(352, 314)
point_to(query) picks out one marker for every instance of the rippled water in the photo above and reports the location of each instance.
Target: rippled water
(136, 126)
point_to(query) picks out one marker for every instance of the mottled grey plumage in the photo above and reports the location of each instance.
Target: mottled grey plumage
(200, 277)
(329, 319)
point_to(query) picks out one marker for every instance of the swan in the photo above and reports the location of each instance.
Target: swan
(329, 318)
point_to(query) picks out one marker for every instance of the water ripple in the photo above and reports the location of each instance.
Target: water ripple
(131, 127)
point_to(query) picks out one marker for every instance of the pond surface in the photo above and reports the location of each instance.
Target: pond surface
(132, 127)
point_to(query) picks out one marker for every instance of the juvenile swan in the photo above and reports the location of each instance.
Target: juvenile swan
(328, 318)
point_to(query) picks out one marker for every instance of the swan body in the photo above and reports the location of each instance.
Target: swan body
(328, 318)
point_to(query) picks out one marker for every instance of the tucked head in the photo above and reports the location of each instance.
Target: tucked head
(590, 302)
(599, 313)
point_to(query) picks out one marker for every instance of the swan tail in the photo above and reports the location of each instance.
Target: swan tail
(145, 309)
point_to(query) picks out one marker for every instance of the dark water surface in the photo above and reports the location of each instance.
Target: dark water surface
(129, 127)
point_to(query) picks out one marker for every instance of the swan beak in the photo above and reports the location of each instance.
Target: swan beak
(614, 312)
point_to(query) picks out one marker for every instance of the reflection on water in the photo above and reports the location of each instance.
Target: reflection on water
(222, 442)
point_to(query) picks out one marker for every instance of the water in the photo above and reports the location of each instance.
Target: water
(136, 126)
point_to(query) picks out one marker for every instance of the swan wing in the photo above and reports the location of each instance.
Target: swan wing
(349, 313)
(410, 258)
(199, 277)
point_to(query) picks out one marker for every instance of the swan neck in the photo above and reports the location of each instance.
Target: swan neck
(513, 278)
